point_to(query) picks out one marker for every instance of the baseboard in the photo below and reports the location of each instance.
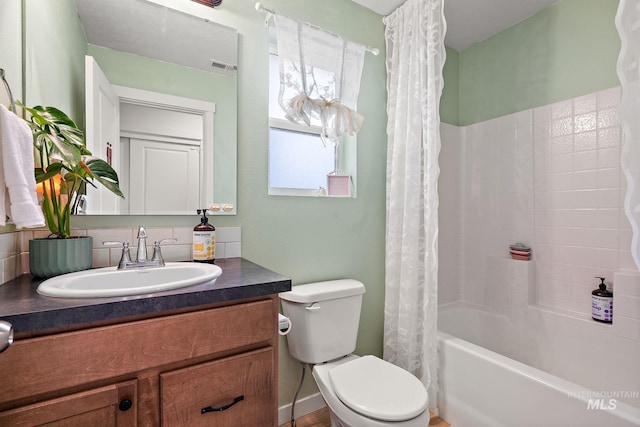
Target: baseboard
(304, 406)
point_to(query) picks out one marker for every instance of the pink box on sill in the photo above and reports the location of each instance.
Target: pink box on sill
(339, 185)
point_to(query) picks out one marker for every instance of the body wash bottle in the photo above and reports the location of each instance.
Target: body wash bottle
(204, 240)
(602, 303)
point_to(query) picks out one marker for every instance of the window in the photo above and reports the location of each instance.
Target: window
(299, 161)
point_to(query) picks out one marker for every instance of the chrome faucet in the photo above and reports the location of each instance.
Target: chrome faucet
(141, 257)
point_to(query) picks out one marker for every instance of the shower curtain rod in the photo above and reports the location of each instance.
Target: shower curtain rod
(261, 8)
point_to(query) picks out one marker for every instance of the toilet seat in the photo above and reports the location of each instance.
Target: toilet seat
(378, 389)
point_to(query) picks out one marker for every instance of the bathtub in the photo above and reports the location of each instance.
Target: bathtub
(479, 387)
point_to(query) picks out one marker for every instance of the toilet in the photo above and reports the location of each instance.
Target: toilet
(359, 391)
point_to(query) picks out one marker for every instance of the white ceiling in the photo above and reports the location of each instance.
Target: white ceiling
(471, 21)
(149, 28)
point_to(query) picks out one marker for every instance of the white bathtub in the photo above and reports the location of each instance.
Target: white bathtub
(479, 387)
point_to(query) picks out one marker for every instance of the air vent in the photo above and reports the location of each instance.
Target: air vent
(222, 65)
(210, 3)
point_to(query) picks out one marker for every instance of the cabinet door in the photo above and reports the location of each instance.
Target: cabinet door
(235, 391)
(101, 407)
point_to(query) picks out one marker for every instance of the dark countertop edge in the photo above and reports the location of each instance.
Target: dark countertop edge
(243, 280)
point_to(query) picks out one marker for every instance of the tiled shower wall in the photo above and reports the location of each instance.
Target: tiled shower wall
(548, 177)
(14, 247)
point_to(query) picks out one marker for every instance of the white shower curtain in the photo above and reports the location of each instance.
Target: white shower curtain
(628, 68)
(415, 57)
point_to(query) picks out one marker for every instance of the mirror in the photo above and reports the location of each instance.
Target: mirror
(146, 46)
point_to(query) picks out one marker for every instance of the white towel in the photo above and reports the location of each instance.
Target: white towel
(17, 180)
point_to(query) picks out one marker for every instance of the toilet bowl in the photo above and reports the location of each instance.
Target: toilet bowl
(359, 391)
(369, 392)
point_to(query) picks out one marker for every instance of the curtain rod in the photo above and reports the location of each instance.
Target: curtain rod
(261, 8)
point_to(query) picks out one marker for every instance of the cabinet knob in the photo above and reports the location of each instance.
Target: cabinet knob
(125, 405)
(222, 408)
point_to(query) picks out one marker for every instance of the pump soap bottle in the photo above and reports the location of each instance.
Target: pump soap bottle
(204, 240)
(602, 303)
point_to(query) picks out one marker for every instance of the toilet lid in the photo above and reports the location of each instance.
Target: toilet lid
(378, 389)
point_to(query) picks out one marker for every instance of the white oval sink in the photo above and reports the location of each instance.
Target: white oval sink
(111, 282)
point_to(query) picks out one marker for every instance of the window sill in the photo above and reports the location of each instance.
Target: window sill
(273, 191)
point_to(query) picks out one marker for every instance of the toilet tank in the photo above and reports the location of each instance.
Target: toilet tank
(324, 319)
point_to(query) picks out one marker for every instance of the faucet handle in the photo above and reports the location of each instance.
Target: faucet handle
(157, 254)
(125, 258)
(168, 239)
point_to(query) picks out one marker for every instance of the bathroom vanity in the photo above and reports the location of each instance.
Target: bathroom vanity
(199, 356)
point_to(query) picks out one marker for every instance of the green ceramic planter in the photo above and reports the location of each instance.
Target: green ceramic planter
(53, 257)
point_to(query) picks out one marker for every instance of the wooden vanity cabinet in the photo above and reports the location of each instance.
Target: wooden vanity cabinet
(215, 366)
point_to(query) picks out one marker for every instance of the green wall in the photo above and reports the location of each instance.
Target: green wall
(450, 99)
(567, 50)
(54, 56)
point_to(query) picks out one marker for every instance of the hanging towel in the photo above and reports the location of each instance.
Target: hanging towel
(18, 197)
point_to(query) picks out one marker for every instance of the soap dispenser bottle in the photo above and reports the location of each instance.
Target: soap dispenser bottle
(602, 303)
(204, 240)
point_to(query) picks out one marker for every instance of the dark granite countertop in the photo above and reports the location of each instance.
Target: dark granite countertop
(32, 314)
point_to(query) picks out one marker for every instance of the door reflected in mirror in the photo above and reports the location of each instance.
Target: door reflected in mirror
(161, 145)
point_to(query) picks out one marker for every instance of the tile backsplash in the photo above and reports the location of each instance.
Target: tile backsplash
(11, 248)
(14, 247)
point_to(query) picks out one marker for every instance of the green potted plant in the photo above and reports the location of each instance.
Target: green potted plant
(64, 168)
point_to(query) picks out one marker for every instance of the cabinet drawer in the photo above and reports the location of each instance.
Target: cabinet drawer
(204, 395)
(101, 407)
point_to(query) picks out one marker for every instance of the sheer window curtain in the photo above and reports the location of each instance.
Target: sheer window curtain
(415, 57)
(320, 76)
